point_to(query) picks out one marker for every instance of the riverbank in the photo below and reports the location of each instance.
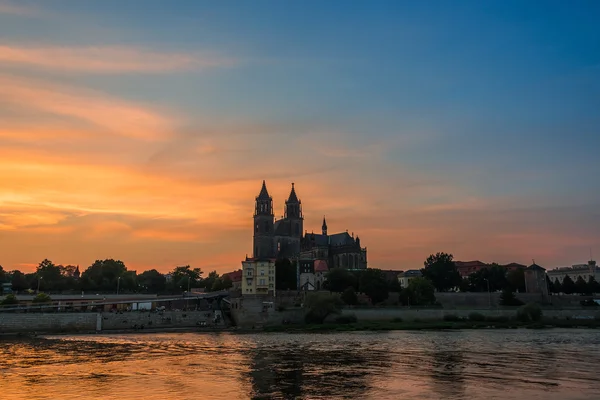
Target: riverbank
(432, 325)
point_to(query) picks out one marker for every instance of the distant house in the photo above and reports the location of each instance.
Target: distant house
(236, 279)
(466, 268)
(404, 278)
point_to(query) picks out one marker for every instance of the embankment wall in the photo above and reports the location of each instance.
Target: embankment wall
(12, 323)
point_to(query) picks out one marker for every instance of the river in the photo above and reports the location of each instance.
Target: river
(475, 364)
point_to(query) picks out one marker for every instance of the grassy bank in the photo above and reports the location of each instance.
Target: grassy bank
(432, 325)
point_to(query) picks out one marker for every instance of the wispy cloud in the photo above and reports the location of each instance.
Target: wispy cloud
(18, 9)
(108, 59)
(96, 108)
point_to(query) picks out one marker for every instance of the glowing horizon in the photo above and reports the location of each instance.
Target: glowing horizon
(142, 132)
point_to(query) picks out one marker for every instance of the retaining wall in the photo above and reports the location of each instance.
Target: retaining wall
(388, 314)
(106, 321)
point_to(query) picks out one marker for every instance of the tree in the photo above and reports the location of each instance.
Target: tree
(225, 283)
(338, 279)
(152, 281)
(441, 271)
(581, 286)
(373, 283)
(516, 280)
(2, 274)
(183, 276)
(320, 305)
(420, 291)
(550, 284)
(349, 296)
(394, 286)
(19, 281)
(210, 280)
(593, 285)
(568, 286)
(49, 275)
(508, 298)
(103, 276)
(557, 286)
(492, 278)
(285, 275)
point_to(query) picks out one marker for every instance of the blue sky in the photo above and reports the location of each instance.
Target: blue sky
(392, 116)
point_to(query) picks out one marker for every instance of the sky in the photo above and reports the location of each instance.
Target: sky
(142, 130)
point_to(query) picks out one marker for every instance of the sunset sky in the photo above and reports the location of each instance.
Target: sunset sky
(142, 130)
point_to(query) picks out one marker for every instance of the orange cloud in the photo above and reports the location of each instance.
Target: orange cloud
(107, 59)
(115, 115)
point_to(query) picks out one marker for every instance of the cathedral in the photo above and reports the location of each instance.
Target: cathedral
(286, 238)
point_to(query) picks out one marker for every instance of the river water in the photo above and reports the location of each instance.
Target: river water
(475, 364)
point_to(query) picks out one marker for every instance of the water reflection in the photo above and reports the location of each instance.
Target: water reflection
(310, 371)
(447, 371)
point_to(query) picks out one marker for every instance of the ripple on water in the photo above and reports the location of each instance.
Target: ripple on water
(557, 364)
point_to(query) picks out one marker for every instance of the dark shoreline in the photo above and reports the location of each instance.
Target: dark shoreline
(374, 326)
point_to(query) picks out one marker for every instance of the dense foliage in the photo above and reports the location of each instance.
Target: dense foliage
(441, 271)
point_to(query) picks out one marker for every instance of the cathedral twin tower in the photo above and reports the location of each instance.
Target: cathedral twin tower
(281, 238)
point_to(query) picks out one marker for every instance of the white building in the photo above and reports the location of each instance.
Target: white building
(575, 271)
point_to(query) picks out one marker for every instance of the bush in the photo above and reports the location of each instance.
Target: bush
(451, 318)
(41, 298)
(9, 300)
(397, 319)
(349, 296)
(320, 306)
(507, 298)
(499, 318)
(529, 312)
(346, 319)
(475, 316)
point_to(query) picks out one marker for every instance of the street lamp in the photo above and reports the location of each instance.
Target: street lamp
(118, 284)
(489, 293)
(39, 279)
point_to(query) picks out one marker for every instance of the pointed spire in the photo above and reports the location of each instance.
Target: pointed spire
(264, 194)
(293, 198)
(324, 227)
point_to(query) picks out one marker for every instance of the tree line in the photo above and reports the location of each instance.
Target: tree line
(110, 276)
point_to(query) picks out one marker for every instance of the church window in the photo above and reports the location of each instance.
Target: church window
(256, 228)
(351, 262)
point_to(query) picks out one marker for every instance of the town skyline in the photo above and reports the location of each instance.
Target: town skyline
(142, 132)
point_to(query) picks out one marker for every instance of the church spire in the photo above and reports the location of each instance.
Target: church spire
(293, 206)
(264, 194)
(324, 227)
(293, 198)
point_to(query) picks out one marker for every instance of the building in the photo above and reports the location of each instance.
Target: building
(312, 274)
(585, 271)
(277, 238)
(405, 277)
(466, 268)
(236, 279)
(535, 280)
(284, 238)
(258, 276)
(338, 250)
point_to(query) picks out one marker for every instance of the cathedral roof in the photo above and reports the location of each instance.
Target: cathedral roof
(340, 239)
(321, 266)
(264, 194)
(293, 198)
(282, 227)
